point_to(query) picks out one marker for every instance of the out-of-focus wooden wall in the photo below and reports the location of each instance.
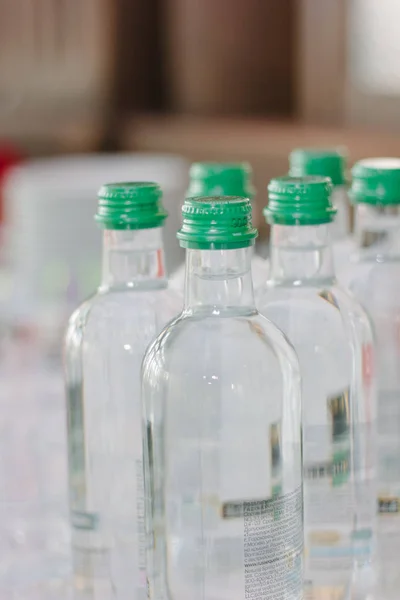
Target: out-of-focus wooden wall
(208, 57)
(91, 61)
(229, 57)
(138, 61)
(56, 72)
(264, 143)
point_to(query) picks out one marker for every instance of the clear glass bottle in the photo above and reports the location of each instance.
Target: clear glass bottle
(222, 179)
(375, 279)
(104, 347)
(222, 413)
(330, 163)
(332, 336)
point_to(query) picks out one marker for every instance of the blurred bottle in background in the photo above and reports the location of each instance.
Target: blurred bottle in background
(105, 344)
(34, 534)
(375, 279)
(330, 163)
(222, 179)
(52, 256)
(333, 339)
(53, 250)
(10, 157)
(222, 413)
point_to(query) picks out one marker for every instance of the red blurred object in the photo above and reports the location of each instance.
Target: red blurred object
(10, 156)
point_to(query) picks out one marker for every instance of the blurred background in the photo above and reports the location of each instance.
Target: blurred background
(196, 79)
(208, 79)
(101, 90)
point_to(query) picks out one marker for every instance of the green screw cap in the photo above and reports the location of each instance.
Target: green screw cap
(220, 179)
(216, 223)
(131, 205)
(300, 201)
(325, 163)
(376, 181)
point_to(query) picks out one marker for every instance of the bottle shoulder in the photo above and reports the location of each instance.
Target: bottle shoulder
(332, 292)
(120, 314)
(131, 302)
(199, 339)
(319, 311)
(372, 279)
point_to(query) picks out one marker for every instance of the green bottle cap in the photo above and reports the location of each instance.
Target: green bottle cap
(216, 223)
(220, 179)
(376, 181)
(131, 205)
(325, 163)
(300, 201)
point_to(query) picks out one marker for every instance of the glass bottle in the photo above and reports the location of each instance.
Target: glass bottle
(222, 413)
(374, 277)
(218, 179)
(104, 346)
(330, 163)
(332, 336)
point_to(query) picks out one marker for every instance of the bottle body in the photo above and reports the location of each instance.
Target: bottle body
(333, 340)
(105, 343)
(222, 416)
(375, 279)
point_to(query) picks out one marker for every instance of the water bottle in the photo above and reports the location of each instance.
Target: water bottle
(333, 339)
(222, 417)
(105, 343)
(212, 178)
(330, 163)
(374, 277)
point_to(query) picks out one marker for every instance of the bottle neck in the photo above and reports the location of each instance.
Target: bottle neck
(377, 231)
(301, 255)
(132, 259)
(219, 282)
(340, 227)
